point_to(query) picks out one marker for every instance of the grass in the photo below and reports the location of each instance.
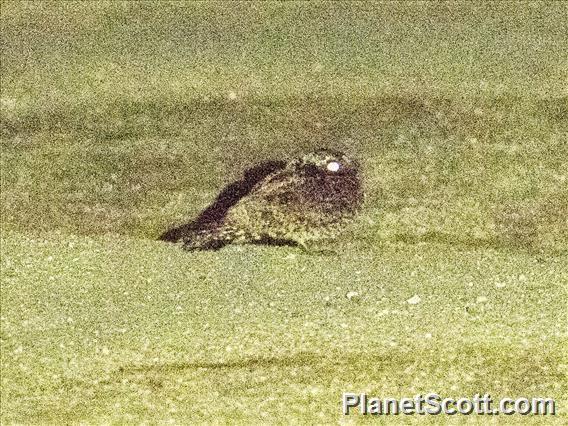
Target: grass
(147, 332)
(121, 119)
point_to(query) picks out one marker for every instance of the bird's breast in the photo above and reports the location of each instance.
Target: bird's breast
(334, 193)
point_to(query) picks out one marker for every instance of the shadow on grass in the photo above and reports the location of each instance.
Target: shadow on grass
(488, 358)
(301, 359)
(449, 239)
(134, 118)
(506, 368)
(509, 242)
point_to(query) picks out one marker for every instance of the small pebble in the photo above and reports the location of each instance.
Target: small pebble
(414, 300)
(352, 294)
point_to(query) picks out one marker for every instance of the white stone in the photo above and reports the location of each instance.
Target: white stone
(352, 294)
(414, 300)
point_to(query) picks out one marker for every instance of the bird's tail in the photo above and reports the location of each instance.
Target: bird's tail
(200, 236)
(207, 239)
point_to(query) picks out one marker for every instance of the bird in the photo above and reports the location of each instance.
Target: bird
(301, 202)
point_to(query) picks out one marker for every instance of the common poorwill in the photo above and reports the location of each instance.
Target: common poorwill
(306, 200)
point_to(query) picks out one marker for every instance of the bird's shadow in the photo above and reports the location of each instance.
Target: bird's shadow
(231, 194)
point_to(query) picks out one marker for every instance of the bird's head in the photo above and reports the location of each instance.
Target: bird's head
(328, 163)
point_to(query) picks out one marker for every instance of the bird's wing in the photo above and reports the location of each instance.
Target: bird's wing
(276, 187)
(269, 200)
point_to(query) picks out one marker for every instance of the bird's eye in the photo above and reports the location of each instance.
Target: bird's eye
(333, 166)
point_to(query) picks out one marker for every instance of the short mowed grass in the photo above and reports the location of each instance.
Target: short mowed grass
(122, 119)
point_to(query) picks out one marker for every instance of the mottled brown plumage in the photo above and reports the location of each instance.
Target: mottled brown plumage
(300, 202)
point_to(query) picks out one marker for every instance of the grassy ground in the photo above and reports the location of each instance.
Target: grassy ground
(120, 119)
(114, 330)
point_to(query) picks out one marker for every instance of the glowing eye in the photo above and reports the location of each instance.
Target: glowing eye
(333, 166)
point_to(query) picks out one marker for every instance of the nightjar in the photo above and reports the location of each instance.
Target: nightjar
(301, 202)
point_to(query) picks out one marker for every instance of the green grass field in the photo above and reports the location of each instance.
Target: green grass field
(122, 119)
